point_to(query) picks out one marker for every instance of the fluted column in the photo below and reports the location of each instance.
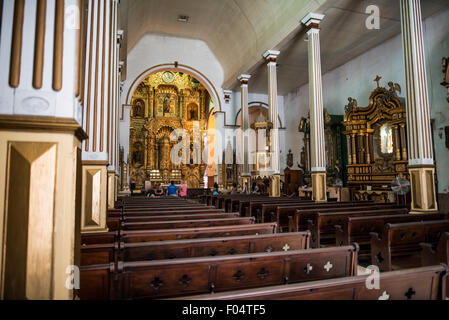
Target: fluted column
(41, 63)
(244, 146)
(419, 134)
(318, 156)
(100, 115)
(271, 57)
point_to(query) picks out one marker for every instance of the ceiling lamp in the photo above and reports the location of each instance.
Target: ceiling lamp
(183, 18)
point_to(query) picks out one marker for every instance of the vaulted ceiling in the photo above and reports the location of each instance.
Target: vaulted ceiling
(239, 31)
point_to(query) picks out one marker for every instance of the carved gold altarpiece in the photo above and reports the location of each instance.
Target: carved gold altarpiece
(376, 136)
(164, 102)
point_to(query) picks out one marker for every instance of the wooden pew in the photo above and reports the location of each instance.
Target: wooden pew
(185, 223)
(431, 256)
(97, 282)
(178, 277)
(213, 246)
(198, 216)
(177, 212)
(322, 225)
(403, 240)
(284, 214)
(427, 283)
(302, 216)
(197, 233)
(254, 208)
(357, 229)
(103, 253)
(113, 223)
(168, 208)
(99, 237)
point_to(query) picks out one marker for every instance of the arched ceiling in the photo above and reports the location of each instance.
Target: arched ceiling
(239, 31)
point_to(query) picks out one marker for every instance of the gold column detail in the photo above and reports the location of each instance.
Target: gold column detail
(397, 143)
(58, 45)
(39, 44)
(317, 144)
(16, 47)
(420, 144)
(403, 142)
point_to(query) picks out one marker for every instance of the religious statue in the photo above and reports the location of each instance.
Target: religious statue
(352, 103)
(289, 159)
(166, 104)
(445, 82)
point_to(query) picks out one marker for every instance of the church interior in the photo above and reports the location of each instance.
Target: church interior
(224, 150)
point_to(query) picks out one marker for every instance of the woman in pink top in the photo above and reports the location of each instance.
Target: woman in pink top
(183, 190)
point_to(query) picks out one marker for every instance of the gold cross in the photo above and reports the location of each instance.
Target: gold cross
(377, 80)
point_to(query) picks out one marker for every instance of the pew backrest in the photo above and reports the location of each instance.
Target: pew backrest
(427, 283)
(196, 233)
(213, 246)
(178, 277)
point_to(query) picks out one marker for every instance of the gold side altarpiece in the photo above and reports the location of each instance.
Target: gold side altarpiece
(162, 103)
(377, 141)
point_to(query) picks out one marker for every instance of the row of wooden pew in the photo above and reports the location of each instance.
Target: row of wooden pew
(173, 248)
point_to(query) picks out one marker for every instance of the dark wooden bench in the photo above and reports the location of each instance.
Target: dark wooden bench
(302, 216)
(198, 216)
(357, 229)
(439, 254)
(402, 240)
(171, 213)
(284, 214)
(178, 277)
(197, 233)
(185, 223)
(103, 253)
(322, 225)
(213, 246)
(99, 237)
(427, 283)
(167, 208)
(97, 282)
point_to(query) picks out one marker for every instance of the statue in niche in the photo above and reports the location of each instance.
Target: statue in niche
(138, 108)
(137, 155)
(166, 103)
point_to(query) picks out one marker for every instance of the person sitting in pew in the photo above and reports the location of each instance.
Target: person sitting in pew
(215, 192)
(172, 190)
(159, 192)
(234, 189)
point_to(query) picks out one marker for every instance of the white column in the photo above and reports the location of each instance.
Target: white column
(100, 105)
(318, 159)
(271, 57)
(244, 146)
(40, 147)
(419, 134)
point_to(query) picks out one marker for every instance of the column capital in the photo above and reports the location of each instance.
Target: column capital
(244, 78)
(312, 20)
(271, 55)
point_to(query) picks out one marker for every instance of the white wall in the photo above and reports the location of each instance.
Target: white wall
(355, 79)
